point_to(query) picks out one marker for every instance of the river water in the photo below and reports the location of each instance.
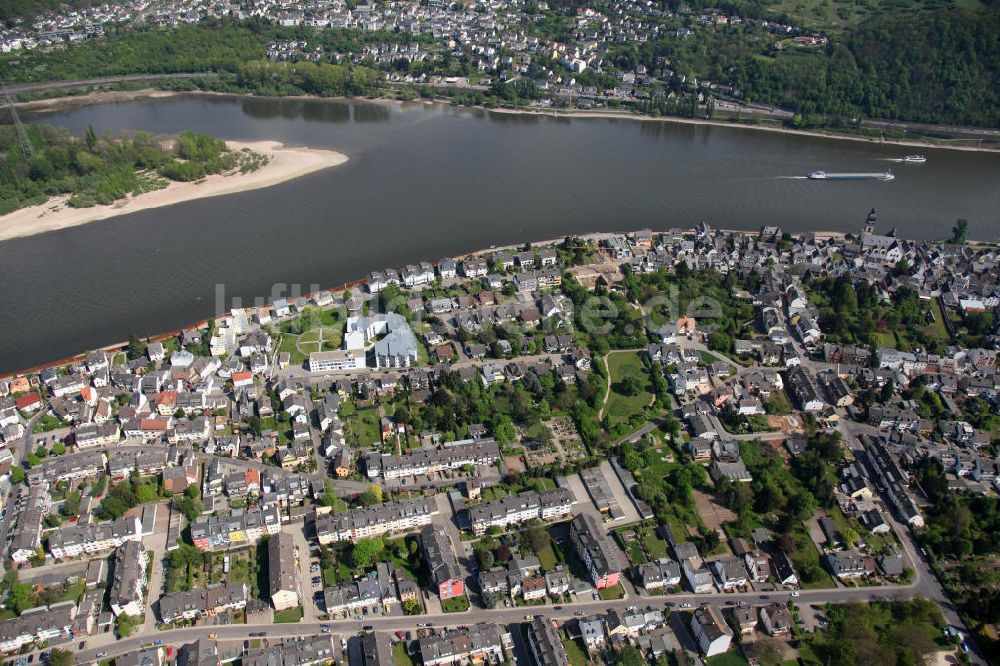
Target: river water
(426, 181)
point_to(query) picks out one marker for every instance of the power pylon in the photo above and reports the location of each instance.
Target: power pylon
(22, 133)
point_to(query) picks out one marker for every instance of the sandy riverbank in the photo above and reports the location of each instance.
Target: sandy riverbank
(284, 164)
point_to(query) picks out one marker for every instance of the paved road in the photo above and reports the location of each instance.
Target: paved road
(80, 83)
(178, 637)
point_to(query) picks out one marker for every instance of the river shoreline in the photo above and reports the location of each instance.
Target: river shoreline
(593, 236)
(61, 104)
(284, 164)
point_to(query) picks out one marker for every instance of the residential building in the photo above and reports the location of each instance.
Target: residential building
(545, 644)
(282, 577)
(239, 528)
(440, 557)
(711, 632)
(514, 509)
(204, 602)
(93, 539)
(402, 516)
(302, 652)
(478, 643)
(128, 587)
(597, 551)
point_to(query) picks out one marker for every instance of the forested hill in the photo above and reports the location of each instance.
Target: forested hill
(27, 8)
(938, 66)
(935, 67)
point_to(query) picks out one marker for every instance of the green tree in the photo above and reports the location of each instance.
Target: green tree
(136, 347)
(58, 657)
(189, 507)
(960, 232)
(367, 551)
(538, 537)
(22, 597)
(630, 656)
(630, 384)
(16, 474)
(71, 503)
(503, 430)
(91, 138)
(145, 493)
(125, 626)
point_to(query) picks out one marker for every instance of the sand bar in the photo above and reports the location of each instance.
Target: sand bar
(285, 163)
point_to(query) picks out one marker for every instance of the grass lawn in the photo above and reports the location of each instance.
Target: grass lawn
(288, 616)
(364, 426)
(876, 542)
(400, 655)
(727, 659)
(574, 652)
(621, 407)
(655, 546)
(937, 328)
(289, 343)
(885, 340)
(611, 593)
(806, 556)
(547, 558)
(455, 604)
(635, 554)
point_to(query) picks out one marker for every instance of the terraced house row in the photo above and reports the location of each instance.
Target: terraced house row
(240, 528)
(401, 516)
(451, 456)
(37, 624)
(93, 539)
(506, 511)
(206, 602)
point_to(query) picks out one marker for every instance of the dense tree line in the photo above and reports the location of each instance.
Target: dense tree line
(896, 632)
(99, 170)
(231, 49)
(11, 9)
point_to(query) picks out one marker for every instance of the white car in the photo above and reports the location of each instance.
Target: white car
(796, 594)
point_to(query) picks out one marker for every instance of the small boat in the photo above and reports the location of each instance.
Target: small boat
(913, 159)
(823, 175)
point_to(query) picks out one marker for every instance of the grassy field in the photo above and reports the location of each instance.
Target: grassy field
(622, 407)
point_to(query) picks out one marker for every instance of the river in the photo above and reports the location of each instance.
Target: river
(426, 181)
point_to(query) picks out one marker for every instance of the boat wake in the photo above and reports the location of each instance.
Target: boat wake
(791, 177)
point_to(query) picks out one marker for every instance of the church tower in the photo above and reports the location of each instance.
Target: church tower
(870, 222)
